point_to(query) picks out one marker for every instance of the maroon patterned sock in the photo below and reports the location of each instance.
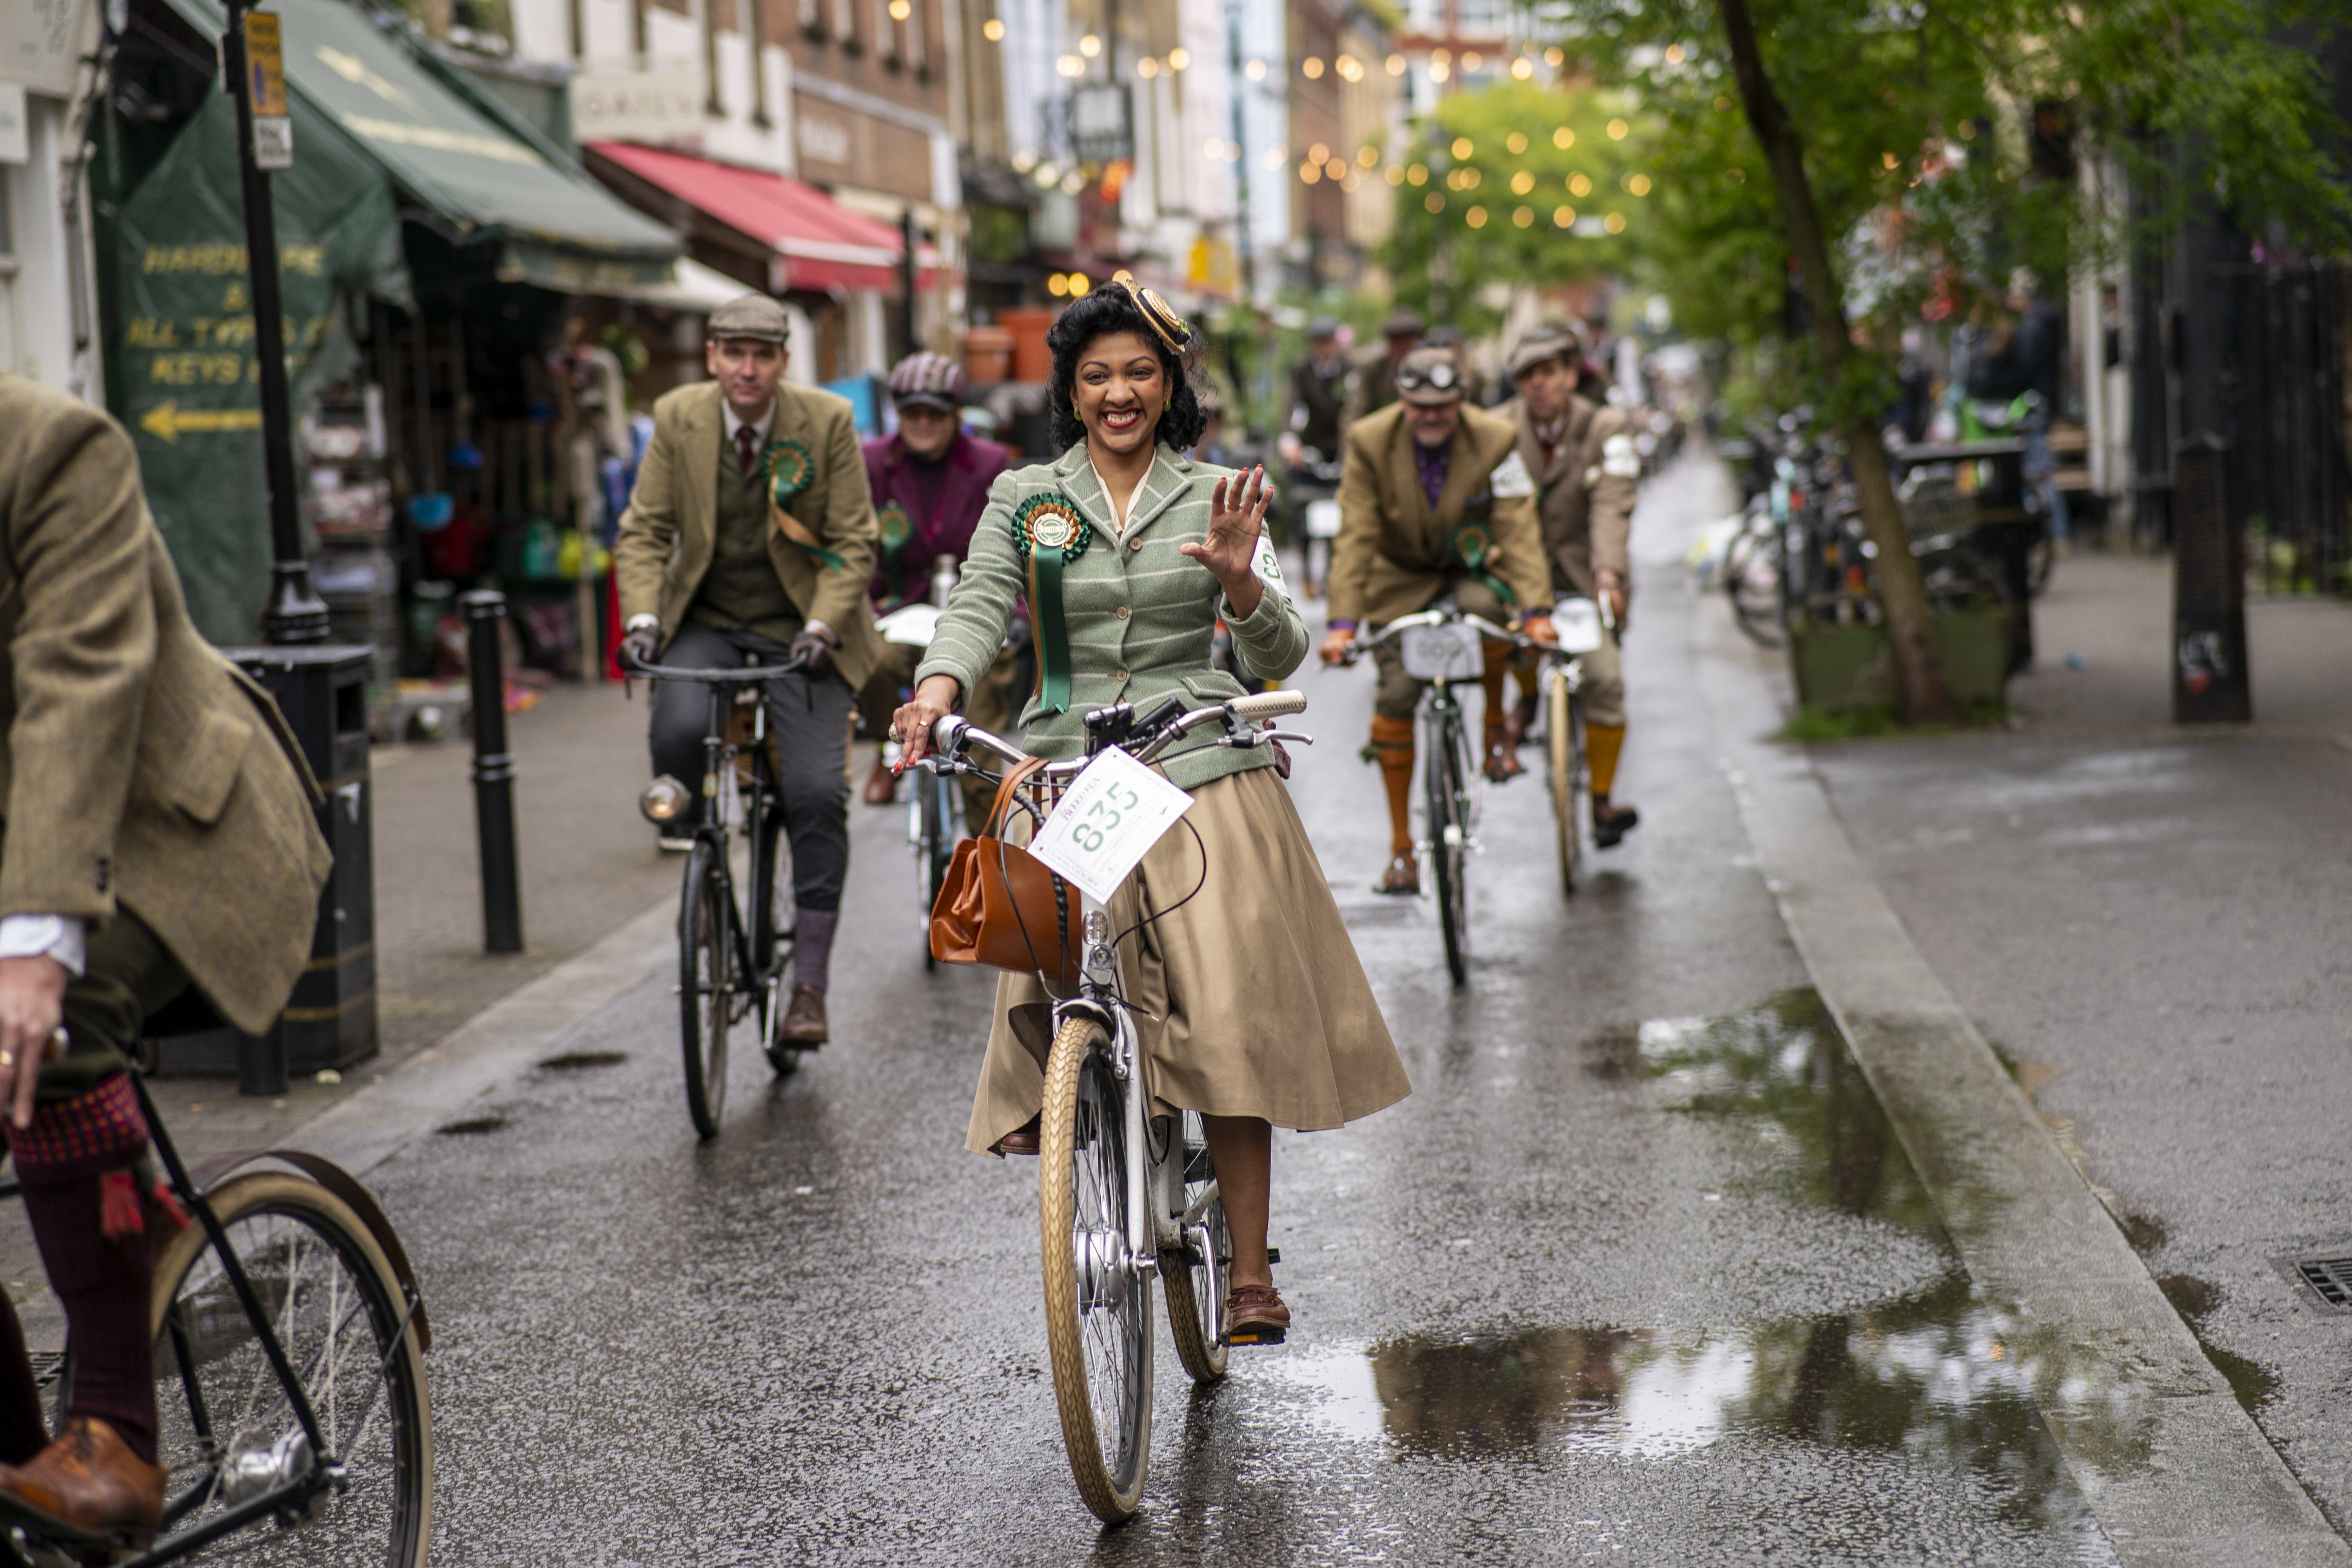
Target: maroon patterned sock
(103, 1283)
(22, 1436)
(813, 944)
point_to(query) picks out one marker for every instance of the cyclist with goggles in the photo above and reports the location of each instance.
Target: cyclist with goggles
(1434, 499)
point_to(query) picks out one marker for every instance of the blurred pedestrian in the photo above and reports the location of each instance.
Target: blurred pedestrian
(2039, 344)
(1315, 399)
(1373, 386)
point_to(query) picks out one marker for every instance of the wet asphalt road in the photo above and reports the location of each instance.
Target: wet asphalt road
(1637, 1273)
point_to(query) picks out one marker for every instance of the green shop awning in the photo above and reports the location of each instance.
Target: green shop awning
(482, 180)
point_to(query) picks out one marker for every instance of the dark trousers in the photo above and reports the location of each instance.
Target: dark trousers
(809, 718)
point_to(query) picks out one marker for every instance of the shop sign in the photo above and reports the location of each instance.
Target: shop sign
(265, 72)
(42, 43)
(659, 104)
(1101, 130)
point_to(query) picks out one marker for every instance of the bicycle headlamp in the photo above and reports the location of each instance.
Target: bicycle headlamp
(664, 800)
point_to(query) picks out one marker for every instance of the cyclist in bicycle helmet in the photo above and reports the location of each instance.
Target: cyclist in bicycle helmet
(1254, 1008)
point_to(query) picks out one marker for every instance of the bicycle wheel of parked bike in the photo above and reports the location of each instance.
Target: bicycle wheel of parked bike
(1196, 1285)
(706, 985)
(1449, 840)
(1571, 798)
(935, 842)
(1098, 1305)
(227, 1432)
(1751, 575)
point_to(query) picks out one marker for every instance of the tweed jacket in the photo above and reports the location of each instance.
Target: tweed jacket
(1394, 553)
(1584, 496)
(972, 466)
(139, 766)
(1140, 614)
(671, 528)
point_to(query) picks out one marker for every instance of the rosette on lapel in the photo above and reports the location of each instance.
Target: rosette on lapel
(790, 468)
(1050, 531)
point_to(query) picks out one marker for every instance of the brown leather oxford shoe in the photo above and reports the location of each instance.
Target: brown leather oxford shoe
(1255, 1315)
(804, 1023)
(89, 1480)
(1026, 1138)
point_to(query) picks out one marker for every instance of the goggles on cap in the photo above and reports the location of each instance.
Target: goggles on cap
(1441, 377)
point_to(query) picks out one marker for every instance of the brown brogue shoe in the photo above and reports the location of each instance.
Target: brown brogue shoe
(881, 784)
(804, 1023)
(1255, 1315)
(1403, 875)
(1503, 762)
(89, 1480)
(1026, 1138)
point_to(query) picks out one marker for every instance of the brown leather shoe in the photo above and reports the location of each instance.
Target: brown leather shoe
(805, 1022)
(1503, 762)
(1517, 722)
(881, 785)
(1403, 875)
(1255, 1315)
(89, 1480)
(1026, 1138)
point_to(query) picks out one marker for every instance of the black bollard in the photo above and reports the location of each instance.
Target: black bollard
(493, 775)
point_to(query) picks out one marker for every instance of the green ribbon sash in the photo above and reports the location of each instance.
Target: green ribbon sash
(1050, 531)
(1472, 542)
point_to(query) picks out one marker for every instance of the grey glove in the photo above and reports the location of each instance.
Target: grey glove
(813, 646)
(639, 647)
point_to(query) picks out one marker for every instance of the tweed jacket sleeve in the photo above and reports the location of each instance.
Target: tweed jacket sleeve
(82, 650)
(649, 526)
(847, 527)
(1611, 469)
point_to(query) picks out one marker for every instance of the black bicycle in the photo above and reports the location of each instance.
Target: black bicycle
(733, 956)
(293, 1424)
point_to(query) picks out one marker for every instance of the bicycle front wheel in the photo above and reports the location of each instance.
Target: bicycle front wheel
(1752, 580)
(1196, 1281)
(1449, 841)
(934, 848)
(227, 1430)
(706, 985)
(1098, 1303)
(1570, 791)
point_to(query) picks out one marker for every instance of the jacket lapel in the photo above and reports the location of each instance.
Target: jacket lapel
(1465, 475)
(1169, 480)
(1404, 475)
(1080, 483)
(699, 428)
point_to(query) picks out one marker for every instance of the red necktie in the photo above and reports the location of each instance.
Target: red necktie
(747, 446)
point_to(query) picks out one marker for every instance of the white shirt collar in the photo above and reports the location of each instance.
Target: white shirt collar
(767, 422)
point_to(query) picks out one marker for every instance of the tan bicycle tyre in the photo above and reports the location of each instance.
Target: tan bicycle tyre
(1566, 743)
(274, 1220)
(1196, 1307)
(1111, 1483)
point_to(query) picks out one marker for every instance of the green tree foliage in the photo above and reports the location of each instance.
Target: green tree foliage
(1509, 185)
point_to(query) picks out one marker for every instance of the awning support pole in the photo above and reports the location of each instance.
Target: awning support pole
(295, 613)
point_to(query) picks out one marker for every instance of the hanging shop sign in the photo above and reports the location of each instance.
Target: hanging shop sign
(265, 70)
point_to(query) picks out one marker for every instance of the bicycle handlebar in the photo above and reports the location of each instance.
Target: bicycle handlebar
(1485, 628)
(792, 666)
(952, 732)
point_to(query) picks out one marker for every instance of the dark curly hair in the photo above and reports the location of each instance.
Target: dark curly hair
(1106, 310)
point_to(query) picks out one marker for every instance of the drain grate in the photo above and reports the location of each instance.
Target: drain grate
(2328, 1280)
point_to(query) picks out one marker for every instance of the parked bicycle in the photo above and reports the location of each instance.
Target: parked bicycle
(293, 1423)
(733, 956)
(1124, 1197)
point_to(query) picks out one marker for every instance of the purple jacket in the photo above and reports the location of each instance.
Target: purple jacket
(903, 572)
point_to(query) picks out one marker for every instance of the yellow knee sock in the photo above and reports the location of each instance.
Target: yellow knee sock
(1393, 745)
(1603, 742)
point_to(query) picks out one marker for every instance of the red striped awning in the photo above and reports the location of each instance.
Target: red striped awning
(819, 244)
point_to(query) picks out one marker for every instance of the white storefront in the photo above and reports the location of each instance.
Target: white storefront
(48, 307)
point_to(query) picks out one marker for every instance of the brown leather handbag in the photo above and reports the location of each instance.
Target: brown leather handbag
(1000, 906)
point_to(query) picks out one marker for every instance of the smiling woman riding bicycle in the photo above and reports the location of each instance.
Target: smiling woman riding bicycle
(1129, 552)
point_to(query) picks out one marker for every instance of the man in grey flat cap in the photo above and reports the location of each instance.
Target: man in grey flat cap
(750, 539)
(1375, 378)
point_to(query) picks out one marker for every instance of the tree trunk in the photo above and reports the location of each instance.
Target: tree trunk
(1910, 629)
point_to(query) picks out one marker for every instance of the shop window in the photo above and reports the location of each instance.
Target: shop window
(845, 27)
(811, 19)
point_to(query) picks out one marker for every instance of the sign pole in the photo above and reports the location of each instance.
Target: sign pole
(256, 71)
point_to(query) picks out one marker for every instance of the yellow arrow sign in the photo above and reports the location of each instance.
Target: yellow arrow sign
(167, 420)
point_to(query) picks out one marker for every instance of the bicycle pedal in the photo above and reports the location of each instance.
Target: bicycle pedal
(1259, 1336)
(1274, 1255)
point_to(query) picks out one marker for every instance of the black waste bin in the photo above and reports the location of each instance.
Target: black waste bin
(330, 1020)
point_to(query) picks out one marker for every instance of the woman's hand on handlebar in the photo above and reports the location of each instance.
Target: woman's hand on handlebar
(934, 700)
(1337, 642)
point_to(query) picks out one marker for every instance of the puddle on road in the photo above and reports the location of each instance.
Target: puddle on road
(471, 1126)
(1937, 1376)
(575, 1061)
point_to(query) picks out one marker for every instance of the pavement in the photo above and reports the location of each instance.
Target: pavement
(1645, 1270)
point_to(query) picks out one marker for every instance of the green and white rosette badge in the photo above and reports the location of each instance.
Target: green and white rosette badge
(1050, 531)
(789, 468)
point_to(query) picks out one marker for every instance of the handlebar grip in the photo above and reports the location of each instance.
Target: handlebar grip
(947, 733)
(1269, 705)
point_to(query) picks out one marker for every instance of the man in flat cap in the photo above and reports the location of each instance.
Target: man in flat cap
(750, 539)
(1581, 455)
(1375, 385)
(1432, 499)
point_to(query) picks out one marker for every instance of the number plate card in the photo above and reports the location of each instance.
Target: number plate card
(1577, 622)
(912, 624)
(1322, 520)
(1448, 652)
(1106, 822)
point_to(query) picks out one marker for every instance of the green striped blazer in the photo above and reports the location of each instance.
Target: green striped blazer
(1140, 615)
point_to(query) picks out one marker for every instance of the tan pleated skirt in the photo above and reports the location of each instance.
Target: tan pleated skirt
(1249, 998)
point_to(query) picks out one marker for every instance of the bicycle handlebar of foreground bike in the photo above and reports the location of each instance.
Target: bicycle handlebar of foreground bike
(950, 734)
(792, 666)
(1485, 628)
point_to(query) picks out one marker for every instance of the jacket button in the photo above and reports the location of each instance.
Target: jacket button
(1134, 544)
(1122, 612)
(1120, 677)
